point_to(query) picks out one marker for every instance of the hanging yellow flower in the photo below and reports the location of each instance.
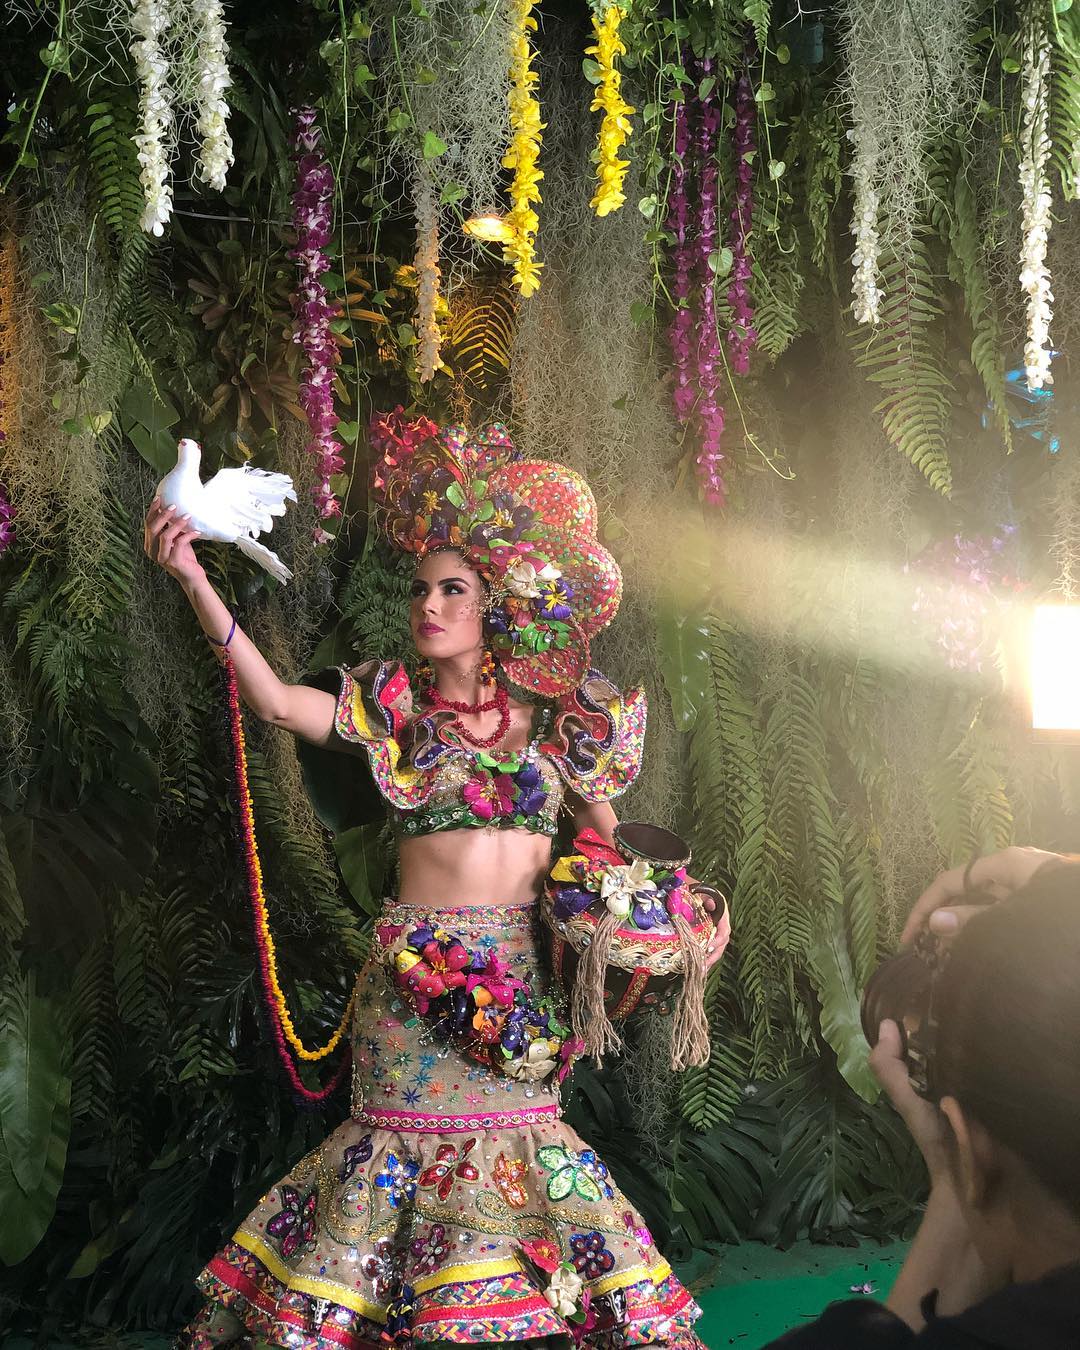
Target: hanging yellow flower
(523, 154)
(615, 125)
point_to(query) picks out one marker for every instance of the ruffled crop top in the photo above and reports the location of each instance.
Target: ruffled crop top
(431, 780)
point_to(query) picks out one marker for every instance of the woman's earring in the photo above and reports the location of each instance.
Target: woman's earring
(487, 667)
(425, 675)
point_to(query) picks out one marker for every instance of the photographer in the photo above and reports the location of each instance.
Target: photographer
(996, 1260)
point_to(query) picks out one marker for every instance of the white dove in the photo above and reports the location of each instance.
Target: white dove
(233, 507)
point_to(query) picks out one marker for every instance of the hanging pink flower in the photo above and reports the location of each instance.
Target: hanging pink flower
(312, 219)
(742, 335)
(710, 359)
(698, 356)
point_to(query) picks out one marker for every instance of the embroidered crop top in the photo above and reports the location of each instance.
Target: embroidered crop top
(431, 780)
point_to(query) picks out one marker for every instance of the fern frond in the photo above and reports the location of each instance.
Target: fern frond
(1065, 99)
(478, 338)
(823, 133)
(905, 357)
(113, 165)
(92, 1017)
(778, 284)
(758, 13)
(968, 268)
(862, 899)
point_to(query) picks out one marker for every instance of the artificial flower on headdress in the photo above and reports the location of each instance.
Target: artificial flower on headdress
(528, 527)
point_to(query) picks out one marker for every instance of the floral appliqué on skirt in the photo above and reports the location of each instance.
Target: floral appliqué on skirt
(417, 1217)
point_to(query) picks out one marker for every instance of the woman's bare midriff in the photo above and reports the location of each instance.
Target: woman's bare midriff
(473, 867)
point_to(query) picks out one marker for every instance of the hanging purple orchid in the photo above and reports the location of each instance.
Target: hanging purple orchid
(698, 357)
(678, 224)
(742, 335)
(709, 355)
(312, 220)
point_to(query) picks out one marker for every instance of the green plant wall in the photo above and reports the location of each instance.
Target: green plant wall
(821, 733)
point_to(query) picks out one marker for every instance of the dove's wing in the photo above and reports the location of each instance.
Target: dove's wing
(245, 500)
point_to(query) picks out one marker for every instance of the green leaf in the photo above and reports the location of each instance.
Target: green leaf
(777, 169)
(561, 1184)
(452, 193)
(33, 1050)
(433, 146)
(684, 643)
(27, 1215)
(590, 70)
(363, 864)
(1010, 65)
(834, 981)
(585, 1186)
(783, 53)
(553, 1156)
(721, 262)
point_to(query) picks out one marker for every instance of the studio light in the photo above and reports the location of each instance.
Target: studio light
(490, 228)
(1055, 669)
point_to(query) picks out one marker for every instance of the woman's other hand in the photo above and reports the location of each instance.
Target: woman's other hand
(718, 938)
(168, 540)
(997, 874)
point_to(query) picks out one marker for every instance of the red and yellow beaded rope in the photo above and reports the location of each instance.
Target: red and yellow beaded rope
(280, 1019)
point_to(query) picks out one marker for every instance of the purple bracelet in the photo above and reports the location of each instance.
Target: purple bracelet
(224, 644)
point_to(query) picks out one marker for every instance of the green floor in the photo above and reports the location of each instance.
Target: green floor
(758, 1294)
(761, 1292)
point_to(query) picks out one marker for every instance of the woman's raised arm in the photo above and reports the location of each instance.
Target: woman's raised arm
(168, 541)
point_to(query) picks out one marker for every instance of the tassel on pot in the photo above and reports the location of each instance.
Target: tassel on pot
(690, 1046)
(588, 1015)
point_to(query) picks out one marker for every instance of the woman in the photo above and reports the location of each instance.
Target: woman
(996, 1261)
(454, 1206)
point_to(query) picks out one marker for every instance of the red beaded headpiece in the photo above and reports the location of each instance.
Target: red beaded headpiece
(527, 526)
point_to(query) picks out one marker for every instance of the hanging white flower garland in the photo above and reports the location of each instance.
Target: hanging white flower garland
(865, 285)
(202, 27)
(428, 276)
(211, 109)
(1035, 186)
(153, 141)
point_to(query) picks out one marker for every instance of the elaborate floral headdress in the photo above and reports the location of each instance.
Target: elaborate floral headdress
(528, 527)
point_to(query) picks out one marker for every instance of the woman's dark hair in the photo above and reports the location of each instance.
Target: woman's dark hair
(1008, 1026)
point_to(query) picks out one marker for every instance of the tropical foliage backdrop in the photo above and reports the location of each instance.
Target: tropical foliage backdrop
(795, 288)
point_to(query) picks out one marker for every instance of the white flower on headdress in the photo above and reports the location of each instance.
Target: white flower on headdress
(523, 579)
(564, 1291)
(621, 884)
(536, 1063)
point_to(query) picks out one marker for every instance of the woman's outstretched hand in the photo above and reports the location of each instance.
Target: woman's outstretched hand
(168, 540)
(997, 874)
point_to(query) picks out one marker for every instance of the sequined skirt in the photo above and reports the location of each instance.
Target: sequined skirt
(429, 1207)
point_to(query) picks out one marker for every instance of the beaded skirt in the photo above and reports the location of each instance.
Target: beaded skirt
(425, 1215)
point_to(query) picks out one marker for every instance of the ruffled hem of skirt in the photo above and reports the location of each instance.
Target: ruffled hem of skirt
(499, 1308)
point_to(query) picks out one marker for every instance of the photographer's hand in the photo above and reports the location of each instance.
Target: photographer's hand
(924, 1121)
(997, 874)
(942, 1255)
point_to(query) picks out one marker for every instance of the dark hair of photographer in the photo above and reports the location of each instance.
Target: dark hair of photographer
(996, 1261)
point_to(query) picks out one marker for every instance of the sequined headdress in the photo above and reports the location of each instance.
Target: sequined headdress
(528, 527)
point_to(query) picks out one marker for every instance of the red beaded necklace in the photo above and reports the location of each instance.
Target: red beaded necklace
(500, 701)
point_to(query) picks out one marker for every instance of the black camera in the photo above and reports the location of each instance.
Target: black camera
(902, 990)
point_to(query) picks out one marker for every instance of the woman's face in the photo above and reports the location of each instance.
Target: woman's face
(447, 608)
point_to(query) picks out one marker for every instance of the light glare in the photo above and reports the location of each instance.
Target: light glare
(1055, 668)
